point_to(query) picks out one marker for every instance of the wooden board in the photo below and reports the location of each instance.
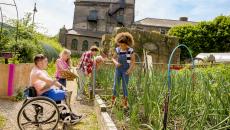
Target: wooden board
(4, 74)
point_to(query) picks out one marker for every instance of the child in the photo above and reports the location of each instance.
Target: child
(124, 60)
(63, 64)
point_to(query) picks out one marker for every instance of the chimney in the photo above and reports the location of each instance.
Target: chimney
(183, 19)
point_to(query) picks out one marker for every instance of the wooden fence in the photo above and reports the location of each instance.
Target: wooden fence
(13, 77)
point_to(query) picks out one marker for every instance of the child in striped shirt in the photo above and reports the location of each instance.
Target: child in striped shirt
(124, 60)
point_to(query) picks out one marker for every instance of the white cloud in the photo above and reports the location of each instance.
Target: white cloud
(52, 14)
(172, 9)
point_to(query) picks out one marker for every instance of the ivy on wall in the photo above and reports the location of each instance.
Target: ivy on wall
(163, 42)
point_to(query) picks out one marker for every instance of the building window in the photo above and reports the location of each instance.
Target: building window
(74, 44)
(96, 43)
(85, 45)
(162, 31)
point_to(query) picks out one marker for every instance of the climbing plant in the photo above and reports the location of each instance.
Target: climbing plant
(141, 38)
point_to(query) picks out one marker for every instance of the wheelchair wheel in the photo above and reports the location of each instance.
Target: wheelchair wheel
(39, 113)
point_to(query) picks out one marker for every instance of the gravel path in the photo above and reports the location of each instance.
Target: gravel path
(9, 110)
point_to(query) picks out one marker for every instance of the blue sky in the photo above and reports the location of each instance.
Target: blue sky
(53, 14)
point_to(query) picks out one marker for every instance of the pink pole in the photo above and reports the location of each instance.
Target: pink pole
(11, 79)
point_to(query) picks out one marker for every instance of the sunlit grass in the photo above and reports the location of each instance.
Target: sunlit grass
(2, 121)
(88, 123)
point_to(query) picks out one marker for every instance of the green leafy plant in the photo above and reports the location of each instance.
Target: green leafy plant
(199, 98)
(29, 41)
(20, 95)
(206, 36)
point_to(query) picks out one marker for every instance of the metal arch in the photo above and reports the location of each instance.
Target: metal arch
(16, 37)
(1, 25)
(169, 83)
(17, 23)
(170, 60)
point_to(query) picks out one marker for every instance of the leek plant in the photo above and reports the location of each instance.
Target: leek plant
(200, 99)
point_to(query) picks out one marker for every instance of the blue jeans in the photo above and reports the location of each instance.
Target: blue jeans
(121, 74)
(55, 94)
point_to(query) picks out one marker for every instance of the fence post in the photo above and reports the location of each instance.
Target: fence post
(94, 79)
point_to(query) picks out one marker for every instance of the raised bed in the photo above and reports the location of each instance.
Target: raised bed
(104, 120)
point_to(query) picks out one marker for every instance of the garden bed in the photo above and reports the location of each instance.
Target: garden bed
(122, 117)
(199, 99)
(104, 119)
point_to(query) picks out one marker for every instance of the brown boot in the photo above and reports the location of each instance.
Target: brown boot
(113, 100)
(125, 102)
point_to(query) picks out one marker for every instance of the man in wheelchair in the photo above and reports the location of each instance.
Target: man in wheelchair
(46, 86)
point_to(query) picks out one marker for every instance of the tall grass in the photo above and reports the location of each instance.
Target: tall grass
(200, 99)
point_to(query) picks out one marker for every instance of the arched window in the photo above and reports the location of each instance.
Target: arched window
(74, 44)
(96, 43)
(85, 45)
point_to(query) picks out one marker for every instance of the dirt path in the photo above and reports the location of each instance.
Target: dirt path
(9, 110)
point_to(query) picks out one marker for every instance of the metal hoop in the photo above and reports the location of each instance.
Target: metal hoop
(169, 83)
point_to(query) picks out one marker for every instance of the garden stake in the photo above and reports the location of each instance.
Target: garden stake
(167, 100)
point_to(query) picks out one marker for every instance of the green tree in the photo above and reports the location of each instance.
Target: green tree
(30, 42)
(206, 36)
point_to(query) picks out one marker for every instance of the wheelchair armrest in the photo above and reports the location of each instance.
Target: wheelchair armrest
(30, 92)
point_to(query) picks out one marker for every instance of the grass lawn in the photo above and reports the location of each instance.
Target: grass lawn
(89, 123)
(2, 121)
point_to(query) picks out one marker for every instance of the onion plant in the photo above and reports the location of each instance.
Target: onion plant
(200, 99)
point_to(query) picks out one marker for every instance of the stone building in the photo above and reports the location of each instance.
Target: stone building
(94, 18)
(160, 25)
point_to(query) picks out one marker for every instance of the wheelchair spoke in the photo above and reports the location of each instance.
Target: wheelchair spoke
(30, 126)
(38, 114)
(28, 114)
(54, 112)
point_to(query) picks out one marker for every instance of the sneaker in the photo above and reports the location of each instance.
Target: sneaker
(75, 118)
(65, 117)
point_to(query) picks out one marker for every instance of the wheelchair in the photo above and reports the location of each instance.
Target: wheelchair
(42, 113)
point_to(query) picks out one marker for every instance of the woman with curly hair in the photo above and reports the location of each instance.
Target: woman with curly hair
(124, 60)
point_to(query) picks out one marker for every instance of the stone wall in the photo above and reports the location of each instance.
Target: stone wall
(105, 23)
(91, 42)
(157, 45)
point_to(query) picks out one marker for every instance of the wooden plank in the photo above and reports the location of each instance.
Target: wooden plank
(21, 77)
(4, 74)
(22, 74)
(108, 122)
(104, 120)
(100, 103)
